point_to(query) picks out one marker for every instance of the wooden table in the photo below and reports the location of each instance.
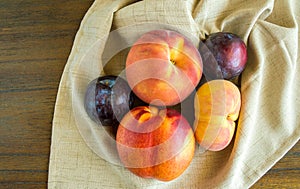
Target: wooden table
(36, 37)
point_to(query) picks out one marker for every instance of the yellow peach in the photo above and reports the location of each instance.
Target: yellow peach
(217, 106)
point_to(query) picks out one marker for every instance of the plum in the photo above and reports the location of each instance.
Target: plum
(230, 52)
(108, 99)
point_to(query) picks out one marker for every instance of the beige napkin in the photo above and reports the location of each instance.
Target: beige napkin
(269, 123)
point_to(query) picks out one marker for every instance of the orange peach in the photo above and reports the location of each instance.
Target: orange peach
(155, 143)
(217, 106)
(163, 67)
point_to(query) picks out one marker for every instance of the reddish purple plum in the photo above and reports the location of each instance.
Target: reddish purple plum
(108, 99)
(230, 52)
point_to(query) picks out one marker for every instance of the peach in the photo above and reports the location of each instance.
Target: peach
(163, 67)
(155, 143)
(217, 106)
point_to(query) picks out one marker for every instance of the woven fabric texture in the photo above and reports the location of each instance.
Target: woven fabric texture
(269, 122)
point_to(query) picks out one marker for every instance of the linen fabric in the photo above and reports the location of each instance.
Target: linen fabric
(269, 122)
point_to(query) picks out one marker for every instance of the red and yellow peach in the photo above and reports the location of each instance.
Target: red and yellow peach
(163, 67)
(155, 143)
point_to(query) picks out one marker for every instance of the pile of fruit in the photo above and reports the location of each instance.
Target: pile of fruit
(163, 68)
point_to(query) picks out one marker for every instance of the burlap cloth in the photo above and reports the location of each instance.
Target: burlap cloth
(269, 123)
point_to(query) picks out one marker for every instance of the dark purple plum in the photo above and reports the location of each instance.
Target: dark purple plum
(230, 52)
(108, 99)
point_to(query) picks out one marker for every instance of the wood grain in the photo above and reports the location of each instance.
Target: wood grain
(35, 40)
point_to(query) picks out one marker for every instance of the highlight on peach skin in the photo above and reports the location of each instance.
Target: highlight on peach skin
(163, 60)
(217, 106)
(155, 143)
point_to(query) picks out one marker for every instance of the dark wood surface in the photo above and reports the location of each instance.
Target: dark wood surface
(36, 37)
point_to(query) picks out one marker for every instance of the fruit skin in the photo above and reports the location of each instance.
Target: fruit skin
(164, 65)
(230, 52)
(154, 143)
(107, 99)
(217, 107)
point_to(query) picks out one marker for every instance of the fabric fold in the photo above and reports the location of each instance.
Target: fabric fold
(269, 123)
